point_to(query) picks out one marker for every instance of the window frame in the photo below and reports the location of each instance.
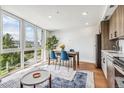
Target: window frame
(20, 25)
(21, 48)
(24, 36)
(41, 37)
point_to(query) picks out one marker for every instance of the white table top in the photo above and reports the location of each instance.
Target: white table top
(28, 79)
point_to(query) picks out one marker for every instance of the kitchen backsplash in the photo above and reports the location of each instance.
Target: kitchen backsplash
(121, 45)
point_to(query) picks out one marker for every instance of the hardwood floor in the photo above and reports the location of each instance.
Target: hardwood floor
(100, 80)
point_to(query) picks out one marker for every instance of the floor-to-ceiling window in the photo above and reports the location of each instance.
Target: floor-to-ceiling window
(10, 26)
(40, 38)
(29, 44)
(29, 58)
(9, 62)
(10, 44)
(21, 43)
(29, 35)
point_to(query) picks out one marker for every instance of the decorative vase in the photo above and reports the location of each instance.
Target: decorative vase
(62, 46)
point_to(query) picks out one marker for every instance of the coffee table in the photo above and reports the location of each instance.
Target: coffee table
(29, 80)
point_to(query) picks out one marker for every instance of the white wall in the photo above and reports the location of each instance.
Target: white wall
(81, 39)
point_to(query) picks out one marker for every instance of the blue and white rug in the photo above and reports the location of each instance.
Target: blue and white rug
(78, 79)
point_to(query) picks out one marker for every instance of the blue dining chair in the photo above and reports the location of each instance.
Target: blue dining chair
(53, 57)
(64, 57)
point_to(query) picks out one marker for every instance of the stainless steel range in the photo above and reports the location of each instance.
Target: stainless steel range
(119, 77)
(119, 61)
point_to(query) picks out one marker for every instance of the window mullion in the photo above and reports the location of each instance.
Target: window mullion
(22, 35)
(35, 43)
(0, 31)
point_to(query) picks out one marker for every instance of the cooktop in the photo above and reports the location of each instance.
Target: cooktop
(119, 61)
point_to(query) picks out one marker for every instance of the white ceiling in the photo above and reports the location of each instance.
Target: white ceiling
(68, 16)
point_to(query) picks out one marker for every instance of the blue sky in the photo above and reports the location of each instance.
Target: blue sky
(11, 26)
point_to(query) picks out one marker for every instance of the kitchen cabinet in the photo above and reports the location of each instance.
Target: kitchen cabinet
(116, 23)
(113, 27)
(110, 72)
(119, 21)
(104, 64)
(105, 42)
(114, 32)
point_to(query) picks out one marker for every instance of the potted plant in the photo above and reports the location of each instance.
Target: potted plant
(51, 43)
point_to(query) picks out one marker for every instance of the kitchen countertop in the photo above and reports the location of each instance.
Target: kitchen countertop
(112, 53)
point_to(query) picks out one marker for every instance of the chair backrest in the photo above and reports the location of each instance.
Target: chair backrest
(64, 55)
(53, 55)
(71, 50)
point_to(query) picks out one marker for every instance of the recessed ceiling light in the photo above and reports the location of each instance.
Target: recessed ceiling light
(57, 12)
(84, 13)
(87, 23)
(49, 17)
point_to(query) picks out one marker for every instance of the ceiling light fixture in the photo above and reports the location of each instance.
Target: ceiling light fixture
(49, 17)
(84, 13)
(86, 23)
(57, 12)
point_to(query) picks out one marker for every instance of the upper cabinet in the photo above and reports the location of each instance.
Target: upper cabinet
(116, 23)
(111, 27)
(119, 23)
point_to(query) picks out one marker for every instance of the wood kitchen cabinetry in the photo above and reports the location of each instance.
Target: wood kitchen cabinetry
(112, 28)
(119, 21)
(110, 72)
(104, 64)
(108, 69)
(116, 23)
(105, 42)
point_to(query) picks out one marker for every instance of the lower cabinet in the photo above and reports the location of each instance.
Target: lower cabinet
(104, 64)
(110, 72)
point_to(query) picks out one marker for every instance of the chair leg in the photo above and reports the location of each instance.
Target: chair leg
(63, 63)
(53, 62)
(68, 65)
(71, 63)
(59, 64)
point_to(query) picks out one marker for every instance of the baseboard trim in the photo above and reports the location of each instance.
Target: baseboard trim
(86, 61)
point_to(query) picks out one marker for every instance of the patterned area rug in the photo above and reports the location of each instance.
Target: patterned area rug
(78, 79)
(62, 72)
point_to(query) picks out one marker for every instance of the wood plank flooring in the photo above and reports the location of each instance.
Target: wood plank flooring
(100, 80)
